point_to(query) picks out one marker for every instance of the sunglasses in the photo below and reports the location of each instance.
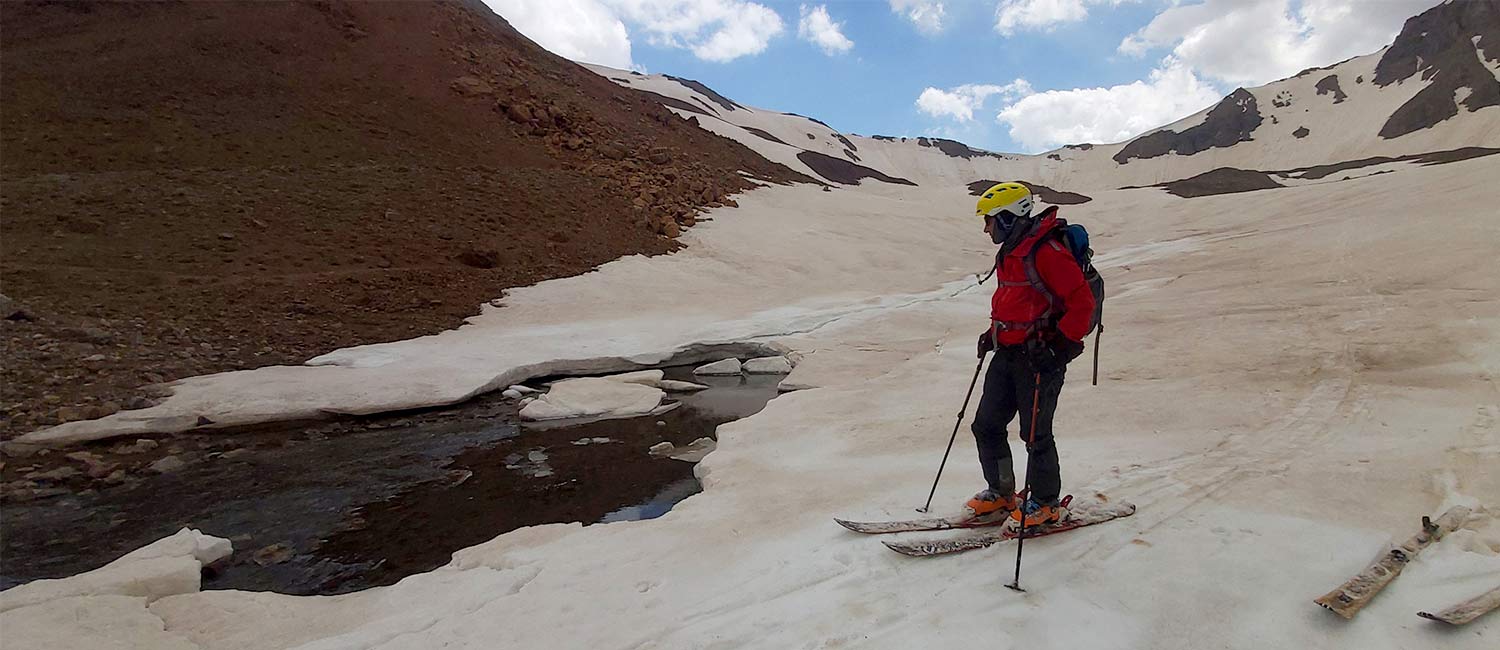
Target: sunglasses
(1005, 220)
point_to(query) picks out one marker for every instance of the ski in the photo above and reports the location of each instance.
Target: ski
(1355, 593)
(1083, 514)
(1468, 610)
(929, 523)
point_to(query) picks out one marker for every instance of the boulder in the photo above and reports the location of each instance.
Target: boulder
(92, 335)
(730, 366)
(54, 475)
(669, 227)
(471, 86)
(768, 366)
(273, 554)
(479, 258)
(613, 151)
(140, 446)
(9, 308)
(167, 464)
(94, 465)
(71, 414)
(518, 113)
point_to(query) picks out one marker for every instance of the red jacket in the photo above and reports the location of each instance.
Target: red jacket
(1016, 304)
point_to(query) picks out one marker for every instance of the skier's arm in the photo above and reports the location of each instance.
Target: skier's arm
(1062, 275)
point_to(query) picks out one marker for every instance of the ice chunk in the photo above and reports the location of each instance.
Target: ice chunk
(672, 385)
(663, 449)
(533, 464)
(593, 397)
(643, 377)
(726, 367)
(787, 386)
(695, 451)
(768, 366)
(166, 567)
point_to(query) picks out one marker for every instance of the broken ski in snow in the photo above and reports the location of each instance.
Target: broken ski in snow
(1353, 595)
(1468, 610)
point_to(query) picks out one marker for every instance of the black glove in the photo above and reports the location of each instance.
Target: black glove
(986, 343)
(1052, 354)
(1067, 349)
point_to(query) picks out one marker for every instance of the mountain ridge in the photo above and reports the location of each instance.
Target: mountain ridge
(1370, 105)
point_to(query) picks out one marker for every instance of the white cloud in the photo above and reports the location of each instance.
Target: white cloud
(927, 15)
(1014, 15)
(818, 28)
(715, 30)
(1251, 42)
(581, 30)
(1044, 120)
(959, 103)
(595, 30)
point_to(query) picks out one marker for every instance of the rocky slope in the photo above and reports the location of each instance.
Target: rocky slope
(194, 187)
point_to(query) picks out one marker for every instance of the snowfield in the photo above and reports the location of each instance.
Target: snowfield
(1290, 379)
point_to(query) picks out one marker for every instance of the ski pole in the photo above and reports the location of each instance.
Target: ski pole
(1036, 398)
(954, 437)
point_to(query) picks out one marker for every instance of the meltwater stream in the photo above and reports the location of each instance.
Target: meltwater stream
(335, 507)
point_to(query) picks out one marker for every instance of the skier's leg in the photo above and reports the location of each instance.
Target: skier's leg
(997, 407)
(1042, 469)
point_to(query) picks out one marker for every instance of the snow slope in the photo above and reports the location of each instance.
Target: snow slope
(1266, 401)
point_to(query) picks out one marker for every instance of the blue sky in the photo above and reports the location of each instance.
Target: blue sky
(1091, 70)
(872, 89)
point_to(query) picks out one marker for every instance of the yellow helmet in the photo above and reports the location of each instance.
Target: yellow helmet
(1010, 197)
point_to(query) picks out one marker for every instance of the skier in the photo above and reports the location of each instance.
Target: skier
(1034, 332)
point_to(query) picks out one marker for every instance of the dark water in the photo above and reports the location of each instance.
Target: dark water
(341, 506)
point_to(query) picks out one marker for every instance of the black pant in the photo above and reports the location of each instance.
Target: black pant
(1008, 390)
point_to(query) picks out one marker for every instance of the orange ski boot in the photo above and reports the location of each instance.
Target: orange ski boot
(1037, 514)
(992, 504)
